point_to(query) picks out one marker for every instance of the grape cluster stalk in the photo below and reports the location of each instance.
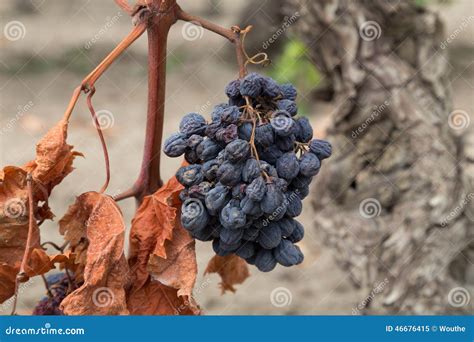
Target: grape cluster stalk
(249, 169)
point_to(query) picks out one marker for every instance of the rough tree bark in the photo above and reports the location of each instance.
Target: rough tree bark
(396, 200)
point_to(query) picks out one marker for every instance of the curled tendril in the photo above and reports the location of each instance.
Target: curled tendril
(260, 57)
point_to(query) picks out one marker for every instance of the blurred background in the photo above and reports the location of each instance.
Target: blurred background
(49, 46)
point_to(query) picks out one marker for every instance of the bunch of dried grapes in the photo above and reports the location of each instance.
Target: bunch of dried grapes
(249, 169)
(59, 287)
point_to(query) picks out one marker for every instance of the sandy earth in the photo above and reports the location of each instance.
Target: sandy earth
(38, 74)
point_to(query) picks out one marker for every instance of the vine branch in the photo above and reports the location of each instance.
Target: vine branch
(233, 35)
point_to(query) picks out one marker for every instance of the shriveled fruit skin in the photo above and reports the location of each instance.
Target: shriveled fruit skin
(194, 216)
(303, 130)
(192, 123)
(251, 170)
(232, 216)
(237, 151)
(309, 165)
(288, 91)
(190, 175)
(265, 261)
(217, 198)
(208, 150)
(287, 166)
(232, 90)
(283, 124)
(298, 232)
(250, 167)
(229, 174)
(251, 85)
(321, 148)
(256, 190)
(288, 106)
(175, 145)
(270, 236)
(287, 254)
(272, 199)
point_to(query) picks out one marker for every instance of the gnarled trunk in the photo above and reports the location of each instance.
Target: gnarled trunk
(396, 200)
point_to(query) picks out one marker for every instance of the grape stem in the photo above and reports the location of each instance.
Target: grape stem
(234, 35)
(250, 111)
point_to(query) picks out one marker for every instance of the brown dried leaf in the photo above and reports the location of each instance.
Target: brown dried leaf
(162, 257)
(94, 224)
(13, 227)
(232, 269)
(53, 162)
(54, 157)
(40, 262)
